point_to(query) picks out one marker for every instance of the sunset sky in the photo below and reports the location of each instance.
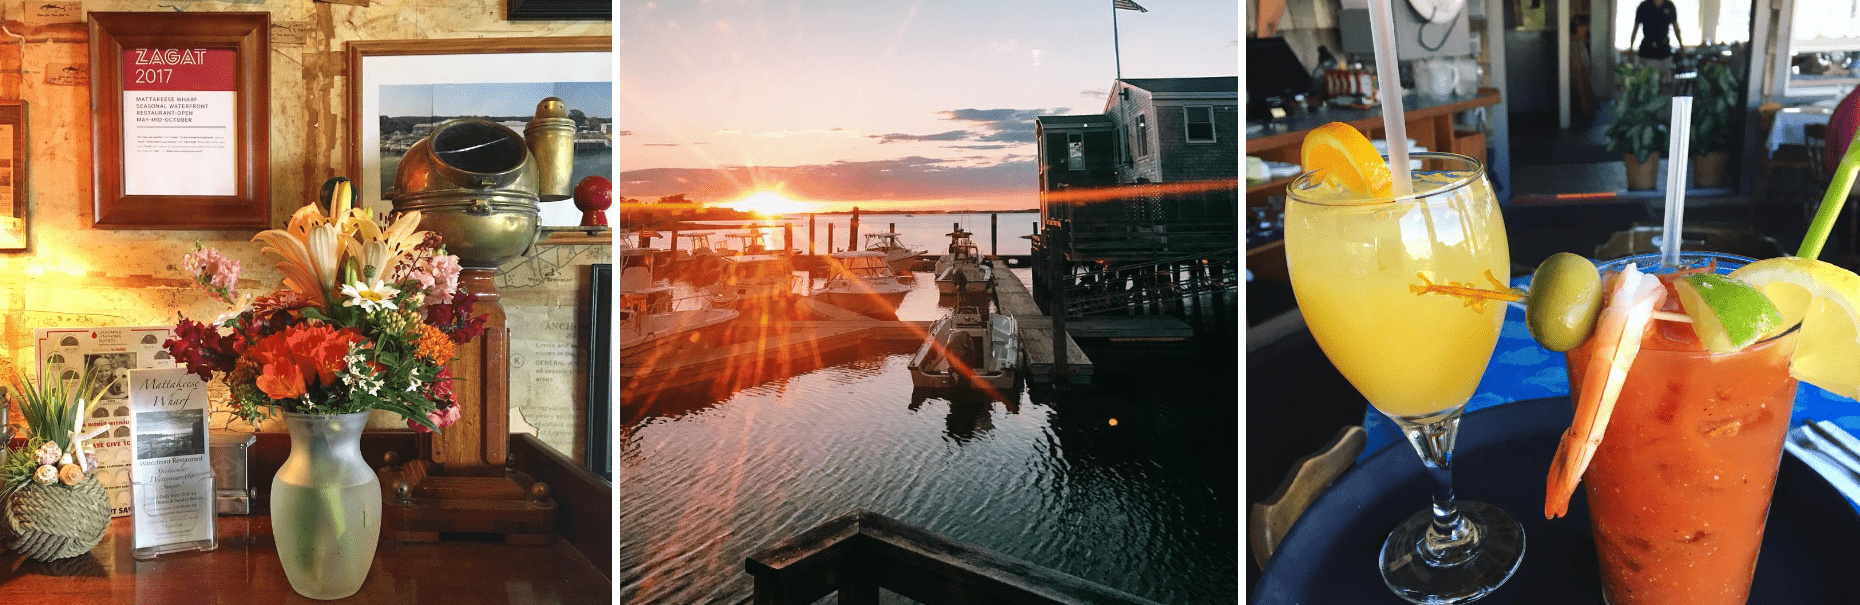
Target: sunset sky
(885, 104)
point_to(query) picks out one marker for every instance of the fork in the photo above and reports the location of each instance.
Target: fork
(1830, 451)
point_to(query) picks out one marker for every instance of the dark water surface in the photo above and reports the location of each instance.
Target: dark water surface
(1130, 483)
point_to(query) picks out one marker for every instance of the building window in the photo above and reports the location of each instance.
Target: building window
(1200, 121)
(1075, 151)
(1143, 136)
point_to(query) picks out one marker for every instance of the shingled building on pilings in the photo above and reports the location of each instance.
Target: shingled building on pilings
(1139, 204)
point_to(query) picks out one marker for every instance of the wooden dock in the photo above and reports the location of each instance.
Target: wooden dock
(785, 349)
(1036, 331)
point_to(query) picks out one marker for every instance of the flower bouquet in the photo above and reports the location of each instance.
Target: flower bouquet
(367, 319)
(54, 507)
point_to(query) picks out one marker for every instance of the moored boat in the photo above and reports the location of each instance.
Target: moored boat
(751, 281)
(971, 347)
(863, 283)
(647, 308)
(899, 256)
(960, 271)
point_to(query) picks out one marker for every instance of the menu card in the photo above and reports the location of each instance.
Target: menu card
(173, 477)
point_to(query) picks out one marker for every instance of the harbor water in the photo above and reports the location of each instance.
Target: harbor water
(1130, 482)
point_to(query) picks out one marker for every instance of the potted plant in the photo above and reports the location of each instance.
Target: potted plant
(1640, 127)
(1714, 106)
(51, 505)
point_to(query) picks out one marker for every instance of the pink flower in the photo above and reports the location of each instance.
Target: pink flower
(214, 272)
(437, 275)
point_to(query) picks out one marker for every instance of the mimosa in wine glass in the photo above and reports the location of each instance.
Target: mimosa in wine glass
(1369, 268)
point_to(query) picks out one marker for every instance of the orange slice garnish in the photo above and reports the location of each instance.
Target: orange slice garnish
(1345, 157)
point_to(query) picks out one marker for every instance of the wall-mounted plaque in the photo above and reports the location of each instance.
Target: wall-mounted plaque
(182, 108)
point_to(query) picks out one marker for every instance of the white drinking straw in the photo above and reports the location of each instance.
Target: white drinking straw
(1678, 135)
(1394, 128)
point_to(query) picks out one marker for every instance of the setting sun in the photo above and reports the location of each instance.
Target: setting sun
(768, 203)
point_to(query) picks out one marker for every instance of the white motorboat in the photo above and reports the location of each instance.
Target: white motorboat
(647, 309)
(750, 281)
(863, 283)
(970, 347)
(961, 270)
(899, 256)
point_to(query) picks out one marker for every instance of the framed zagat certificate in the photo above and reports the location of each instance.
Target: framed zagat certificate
(182, 106)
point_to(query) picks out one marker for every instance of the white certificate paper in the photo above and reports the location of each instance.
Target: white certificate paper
(173, 488)
(64, 354)
(179, 118)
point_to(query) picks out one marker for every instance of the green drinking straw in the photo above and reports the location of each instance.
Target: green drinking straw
(1831, 202)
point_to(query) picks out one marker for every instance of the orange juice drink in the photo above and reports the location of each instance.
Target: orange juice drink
(1679, 489)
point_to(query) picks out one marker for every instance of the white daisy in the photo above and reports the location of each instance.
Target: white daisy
(370, 295)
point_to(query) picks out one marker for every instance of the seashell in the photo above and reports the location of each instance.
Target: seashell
(45, 475)
(49, 453)
(90, 461)
(70, 474)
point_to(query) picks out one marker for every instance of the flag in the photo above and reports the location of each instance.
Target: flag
(1129, 5)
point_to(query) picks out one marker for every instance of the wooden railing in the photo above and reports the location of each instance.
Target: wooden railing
(862, 552)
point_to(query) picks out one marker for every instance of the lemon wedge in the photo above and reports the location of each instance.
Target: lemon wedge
(1825, 299)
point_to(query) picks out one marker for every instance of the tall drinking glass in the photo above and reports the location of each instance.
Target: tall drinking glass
(1679, 489)
(1360, 269)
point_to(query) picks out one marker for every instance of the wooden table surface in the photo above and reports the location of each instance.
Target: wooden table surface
(244, 570)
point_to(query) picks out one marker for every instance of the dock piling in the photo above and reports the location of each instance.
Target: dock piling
(829, 238)
(852, 235)
(994, 228)
(787, 237)
(810, 233)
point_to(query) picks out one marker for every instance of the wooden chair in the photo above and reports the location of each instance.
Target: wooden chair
(1268, 521)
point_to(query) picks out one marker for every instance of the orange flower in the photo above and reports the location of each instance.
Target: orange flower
(299, 354)
(281, 381)
(434, 345)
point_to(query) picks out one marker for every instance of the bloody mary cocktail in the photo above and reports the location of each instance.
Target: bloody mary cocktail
(1680, 488)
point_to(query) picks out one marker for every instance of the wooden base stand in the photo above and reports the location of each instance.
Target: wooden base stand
(460, 482)
(417, 505)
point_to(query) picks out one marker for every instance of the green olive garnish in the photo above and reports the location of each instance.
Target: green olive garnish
(1566, 295)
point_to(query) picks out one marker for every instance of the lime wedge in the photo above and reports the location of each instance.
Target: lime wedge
(1726, 313)
(1825, 299)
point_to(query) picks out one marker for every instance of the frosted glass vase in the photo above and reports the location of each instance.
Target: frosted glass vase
(326, 506)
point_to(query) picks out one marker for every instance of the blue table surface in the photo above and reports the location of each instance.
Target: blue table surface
(1521, 370)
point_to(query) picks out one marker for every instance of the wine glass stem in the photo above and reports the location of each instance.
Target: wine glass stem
(1451, 539)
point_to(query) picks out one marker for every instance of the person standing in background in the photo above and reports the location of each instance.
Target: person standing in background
(1583, 95)
(1654, 17)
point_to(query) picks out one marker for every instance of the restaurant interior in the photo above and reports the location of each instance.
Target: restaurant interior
(1548, 96)
(148, 153)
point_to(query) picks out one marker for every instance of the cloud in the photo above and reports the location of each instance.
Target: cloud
(986, 126)
(953, 135)
(904, 179)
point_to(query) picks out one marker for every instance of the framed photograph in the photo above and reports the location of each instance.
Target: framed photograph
(552, 10)
(13, 233)
(180, 133)
(399, 90)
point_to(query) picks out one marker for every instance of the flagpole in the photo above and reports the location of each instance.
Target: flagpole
(1116, 55)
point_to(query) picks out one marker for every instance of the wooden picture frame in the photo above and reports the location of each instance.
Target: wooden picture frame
(15, 225)
(549, 10)
(374, 64)
(209, 165)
